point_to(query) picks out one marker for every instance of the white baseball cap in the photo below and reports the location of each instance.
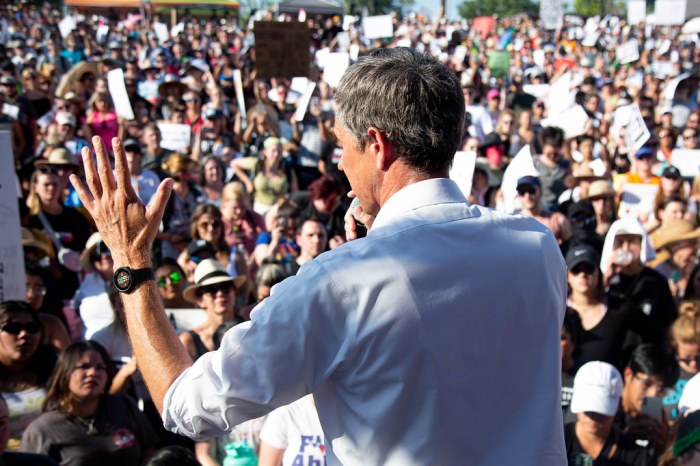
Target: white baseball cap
(690, 398)
(597, 388)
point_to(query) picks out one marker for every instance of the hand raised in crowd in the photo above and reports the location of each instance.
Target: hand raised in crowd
(643, 426)
(127, 226)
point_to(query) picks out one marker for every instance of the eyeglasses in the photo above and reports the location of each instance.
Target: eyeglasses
(585, 267)
(190, 100)
(689, 360)
(213, 290)
(647, 383)
(211, 224)
(527, 190)
(174, 277)
(15, 328)
(37, 289)
(47, 170)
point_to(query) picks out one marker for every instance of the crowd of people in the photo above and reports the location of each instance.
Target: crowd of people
(257, 195)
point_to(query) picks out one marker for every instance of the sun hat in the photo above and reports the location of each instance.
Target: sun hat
(36, 239)
(597, 388)
(675, 231)
(209, 272)
(58, 156)
(599, 189)
(65, 118)
(90, 248)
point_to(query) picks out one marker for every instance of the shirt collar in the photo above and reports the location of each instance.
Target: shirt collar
(416, 195)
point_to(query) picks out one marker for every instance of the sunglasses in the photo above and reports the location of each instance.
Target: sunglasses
(527, 190)
(225, 287)
(690, 359)
(212, 224)
(174, 278)
(15, 328)
(583, 221)
(189, 101)
(586, 268)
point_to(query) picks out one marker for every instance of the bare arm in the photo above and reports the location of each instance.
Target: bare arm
(269, 455)
(129, 228)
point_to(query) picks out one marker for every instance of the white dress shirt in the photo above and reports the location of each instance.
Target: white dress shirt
(434, 340)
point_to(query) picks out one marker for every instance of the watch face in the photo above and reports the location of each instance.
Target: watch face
(122, 280)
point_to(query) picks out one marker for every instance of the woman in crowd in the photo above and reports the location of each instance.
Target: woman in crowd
(101, 119)
(270, 180)
(92, 300)
(68, 229)
(676, 246)
(685, 338)
(212, 174)
(242, 225)
(171, 283)
(55, 333)
(602, 196)
(25, 366)
(82, 423)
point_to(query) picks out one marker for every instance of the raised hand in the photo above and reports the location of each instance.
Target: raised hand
(127, 226)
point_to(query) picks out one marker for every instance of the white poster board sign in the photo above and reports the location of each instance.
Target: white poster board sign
(378, 27)
(10, 110)
(101, 33)
(304, 101)
(238, 88)
(538, 57)
(12, 286)
(636, 11)
(551, 13)
(636, 133)
(117, 89)
(627, 52)
(670, 90)
(539, 91)
(161, 31)
(462, 171)
(637, 199)
(687, 161)
(572, 121)
(560, 96)
(521, 165)
(334, 67)
(670, 12)
(66, 26)
(175, 137)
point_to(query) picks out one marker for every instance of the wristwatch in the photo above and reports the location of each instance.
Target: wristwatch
(127, 279)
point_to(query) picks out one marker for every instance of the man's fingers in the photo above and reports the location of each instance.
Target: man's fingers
(84, 195)
(104, 168)
(93, 181)
(156, 209)
(121, 168)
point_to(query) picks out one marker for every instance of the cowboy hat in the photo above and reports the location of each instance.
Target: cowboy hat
(675, 231)
(36, 239)
(599, 189)
(171, 81)
(209, 272)
(582, 173)
(58, 156)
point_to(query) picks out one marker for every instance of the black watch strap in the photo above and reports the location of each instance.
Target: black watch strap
(126, 279)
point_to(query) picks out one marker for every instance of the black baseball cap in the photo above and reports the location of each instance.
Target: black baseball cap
(528, 181)
(582, 254)
(132, 145)
(672, 172)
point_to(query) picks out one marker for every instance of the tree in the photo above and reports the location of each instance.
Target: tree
(502, 8)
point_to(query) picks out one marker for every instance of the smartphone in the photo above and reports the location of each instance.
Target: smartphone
(652, 406)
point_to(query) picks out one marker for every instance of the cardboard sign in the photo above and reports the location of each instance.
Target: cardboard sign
(304, 101)
(627, 52)
(484, 25)
(334, 67)
(462, 171)
(117, 89)
(687, 161)
(281, 49)
(12, 285)
(636, 11)
(499, 62)
(637, 199)
(175, 137)
(551, 14)
(378, 27)
(637, 132)
(670, 12)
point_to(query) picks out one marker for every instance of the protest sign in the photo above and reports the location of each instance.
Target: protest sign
(637, 199)
(521, 165)
(12, 286)
(101, 33)
(10, 110)
(484, 25)
(161, 31)
(378, 27)
(636, 11)
(66, 26)
(670, 12)
(117, 89)
(572, 121)
(636, 133)
(499, 63)
(304, 101)
(560, 96)
(177, 29)
(627, 52)
(175, 137)
(462, 171)
(662, 69)
(538, 57)
(539, 91)
(238, 88)
(551, 13)
(334, 66)
(281, 49)
(299, 84)
(672, 85)
(687, 161)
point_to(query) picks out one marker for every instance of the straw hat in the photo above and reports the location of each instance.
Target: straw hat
(209, 272)
(599, 189)
(58, 156)
(90, 247)
(583, 173)
(678, 230)
(171, 80)
(35, 239)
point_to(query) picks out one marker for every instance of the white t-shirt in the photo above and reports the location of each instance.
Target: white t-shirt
(296, 429)
(145, 185)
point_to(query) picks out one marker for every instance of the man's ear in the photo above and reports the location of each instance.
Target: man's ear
(381, 148)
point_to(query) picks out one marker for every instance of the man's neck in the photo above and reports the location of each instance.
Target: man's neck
(590, 443)
(398, 177)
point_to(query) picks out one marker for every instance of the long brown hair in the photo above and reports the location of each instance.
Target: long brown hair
(33, 201)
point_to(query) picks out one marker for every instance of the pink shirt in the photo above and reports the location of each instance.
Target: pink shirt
(104, 125)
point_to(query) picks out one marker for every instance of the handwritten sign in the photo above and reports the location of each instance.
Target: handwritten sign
(551, 14)
(175, 137)
(281, 49)
(11, 255)
(117, 89)
(637, 132)
(627, 52)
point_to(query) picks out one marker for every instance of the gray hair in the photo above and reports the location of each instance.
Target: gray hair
(412, 98)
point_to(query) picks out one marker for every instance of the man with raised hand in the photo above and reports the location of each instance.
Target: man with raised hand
(433, 340)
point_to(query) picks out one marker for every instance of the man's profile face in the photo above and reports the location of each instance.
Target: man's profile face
(358, 167)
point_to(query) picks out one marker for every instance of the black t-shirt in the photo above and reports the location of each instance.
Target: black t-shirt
(25, 459)
(331, 155)
(619, 450)
(567, 392)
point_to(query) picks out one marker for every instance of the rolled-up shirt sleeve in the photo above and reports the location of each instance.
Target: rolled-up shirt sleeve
(295, 340)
